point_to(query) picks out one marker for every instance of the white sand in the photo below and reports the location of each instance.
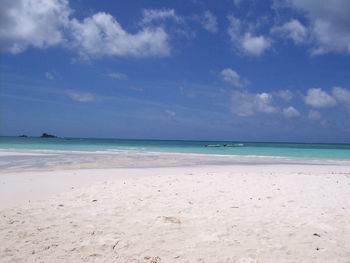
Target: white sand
(237, 213)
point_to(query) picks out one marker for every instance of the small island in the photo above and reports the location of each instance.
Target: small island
(46, 135)
(23, 135)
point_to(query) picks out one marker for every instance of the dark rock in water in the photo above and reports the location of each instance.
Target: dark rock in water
(23, 135)
(46, 135)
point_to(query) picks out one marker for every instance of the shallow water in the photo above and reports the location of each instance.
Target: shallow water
(306, 151)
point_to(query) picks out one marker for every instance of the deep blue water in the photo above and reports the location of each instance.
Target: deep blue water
(289, 150)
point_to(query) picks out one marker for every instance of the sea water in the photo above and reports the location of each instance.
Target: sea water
(312, 151)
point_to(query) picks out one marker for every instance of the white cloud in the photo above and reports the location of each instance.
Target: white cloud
(151, 15)
(291, 112)
(255, 45)
(342, 95)
(37, 23)
(246, 104)
(116, 75)
(230, 76)
(49, 76)
(45, 23)
(101, 34)
(319, 99)
(234, 30)
(315, 115)
(80, 96)
(209, 22)
(286, 95)
(247, 43)
(292, 29)
(170, 113)
(329, 24)
(264, 103)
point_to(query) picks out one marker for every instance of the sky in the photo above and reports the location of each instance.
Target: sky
(240, 70)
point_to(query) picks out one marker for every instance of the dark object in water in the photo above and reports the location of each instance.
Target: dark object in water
(212, 145)
(23, 135)
(46, 135)
(234, 145)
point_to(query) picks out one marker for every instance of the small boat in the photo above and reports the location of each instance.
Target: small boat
(234, 145)
(212, 145)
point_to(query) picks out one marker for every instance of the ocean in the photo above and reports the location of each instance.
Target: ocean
(307, 151)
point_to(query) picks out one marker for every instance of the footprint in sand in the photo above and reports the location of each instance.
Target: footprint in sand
(153, 259)
(171, 219)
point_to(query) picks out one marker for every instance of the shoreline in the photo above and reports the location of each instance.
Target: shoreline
(49, 160)
(199, 154)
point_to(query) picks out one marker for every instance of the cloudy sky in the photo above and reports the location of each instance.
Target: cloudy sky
(228, 70)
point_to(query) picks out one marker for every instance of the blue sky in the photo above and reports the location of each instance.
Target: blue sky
(206, 70)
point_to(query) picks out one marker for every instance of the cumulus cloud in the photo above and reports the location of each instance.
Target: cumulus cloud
(329, 24)
(246, 104)
(291, 112)
(342, 95)
(209, 21)
(319, 99)
(101, 34)
(37, 23)
(293, 30)
(230, 76)
(255, 45)
(151, 15)
(315, 115)
(247, 42)
(234, 30)
(80, 96)
(45, 23)
(264, 103)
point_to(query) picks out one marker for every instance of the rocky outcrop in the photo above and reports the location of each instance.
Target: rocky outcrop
(46, 135)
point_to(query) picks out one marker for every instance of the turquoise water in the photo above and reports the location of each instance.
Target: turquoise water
(287, 150)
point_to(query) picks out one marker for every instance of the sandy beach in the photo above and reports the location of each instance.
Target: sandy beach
(168, 212)
(174, 131)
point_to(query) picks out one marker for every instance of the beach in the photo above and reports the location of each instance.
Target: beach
(175, 131)
(172, 208)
